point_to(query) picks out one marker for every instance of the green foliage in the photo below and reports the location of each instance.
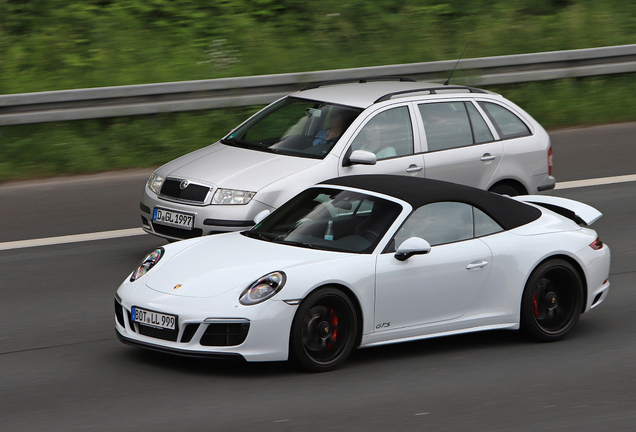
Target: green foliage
(59, 44)
(87, 146)
(56, 44)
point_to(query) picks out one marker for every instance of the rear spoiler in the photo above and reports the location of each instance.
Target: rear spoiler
(582, 214)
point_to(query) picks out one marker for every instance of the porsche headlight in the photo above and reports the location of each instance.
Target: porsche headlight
(151, 259)
(263, 288)
(155, 182)
(231, 196)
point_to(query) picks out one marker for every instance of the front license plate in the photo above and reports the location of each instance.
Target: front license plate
(173, 218)
(153, 319)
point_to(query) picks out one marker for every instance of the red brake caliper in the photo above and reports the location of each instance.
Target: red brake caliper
(334, 327)
(535, 306)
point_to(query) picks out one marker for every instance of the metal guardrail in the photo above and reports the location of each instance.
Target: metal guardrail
(142, 99)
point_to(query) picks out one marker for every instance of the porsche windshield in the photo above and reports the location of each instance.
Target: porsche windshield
(296, 127)
(329, 219)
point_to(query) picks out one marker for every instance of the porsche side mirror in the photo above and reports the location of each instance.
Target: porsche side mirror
(260, 216)
(412, 246)
(363, 157)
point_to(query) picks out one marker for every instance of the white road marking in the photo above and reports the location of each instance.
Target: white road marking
(595, 182)
(48, 241)
(20, 244)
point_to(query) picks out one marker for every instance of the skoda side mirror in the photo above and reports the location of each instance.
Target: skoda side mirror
(260, 216)
(363, 157)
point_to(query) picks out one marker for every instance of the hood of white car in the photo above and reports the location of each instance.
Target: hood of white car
(235, 168)
(224, 262)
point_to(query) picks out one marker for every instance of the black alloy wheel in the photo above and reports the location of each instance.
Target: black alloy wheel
(552, 301)
(324, 330)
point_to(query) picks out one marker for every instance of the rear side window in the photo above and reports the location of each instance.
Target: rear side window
(484, 224)
(480, 128)
(446, 125)
(453, 124)
(508, 125)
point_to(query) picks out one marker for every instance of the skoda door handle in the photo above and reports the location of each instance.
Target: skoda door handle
(476, 265)
(487, 157)
(413, 168)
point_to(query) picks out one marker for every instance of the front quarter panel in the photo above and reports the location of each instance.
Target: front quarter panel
(354, 274)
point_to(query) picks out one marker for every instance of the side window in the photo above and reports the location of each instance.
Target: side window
(480, 128)
(508, 125)
(484, 224)
(446, 125)
(388, 134)
(438, 223)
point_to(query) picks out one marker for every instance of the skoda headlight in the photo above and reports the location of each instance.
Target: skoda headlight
(231, 196)
(263, 288)
(147, 263)
(155, 182)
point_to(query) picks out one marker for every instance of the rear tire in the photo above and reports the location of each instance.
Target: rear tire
(552, 301)
(505, 189)
(324, 330)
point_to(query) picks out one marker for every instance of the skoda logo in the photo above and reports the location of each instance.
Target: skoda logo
(184, 184)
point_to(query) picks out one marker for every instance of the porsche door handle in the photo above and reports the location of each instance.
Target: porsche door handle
(413, 168)
(487, 157)
(476, 265)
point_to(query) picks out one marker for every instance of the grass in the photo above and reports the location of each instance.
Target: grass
(56, 44)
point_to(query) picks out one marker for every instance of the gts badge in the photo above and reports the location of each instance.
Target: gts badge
(383, 325)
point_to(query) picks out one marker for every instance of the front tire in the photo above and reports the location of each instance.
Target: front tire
(324, 330)
(552, 301)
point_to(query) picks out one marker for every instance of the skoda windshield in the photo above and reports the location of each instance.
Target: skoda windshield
(296, 127)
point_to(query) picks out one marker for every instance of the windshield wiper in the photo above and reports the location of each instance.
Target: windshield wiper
(248, 145)
(295, 243)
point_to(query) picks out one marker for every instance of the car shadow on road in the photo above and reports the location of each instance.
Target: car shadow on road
(203, 366)
(491, 342)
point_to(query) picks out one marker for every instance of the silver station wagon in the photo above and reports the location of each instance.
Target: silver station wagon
(454, 133)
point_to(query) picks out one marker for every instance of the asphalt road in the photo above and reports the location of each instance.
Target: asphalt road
(62, 368)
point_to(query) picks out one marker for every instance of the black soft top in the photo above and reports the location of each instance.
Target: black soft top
(507, 212)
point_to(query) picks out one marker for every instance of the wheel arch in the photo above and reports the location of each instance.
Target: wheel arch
(576, 266)
(515, 184)
(354, 300)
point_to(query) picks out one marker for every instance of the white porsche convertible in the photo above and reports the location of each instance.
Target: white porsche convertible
(368, 260)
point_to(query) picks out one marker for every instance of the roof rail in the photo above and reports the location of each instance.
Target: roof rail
(432, 90)
(359, 80)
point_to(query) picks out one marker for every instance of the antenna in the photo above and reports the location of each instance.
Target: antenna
(460, 57)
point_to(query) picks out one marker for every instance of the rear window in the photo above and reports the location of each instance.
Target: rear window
(508, 125)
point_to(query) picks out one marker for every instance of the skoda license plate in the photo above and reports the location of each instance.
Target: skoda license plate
(173, 218)
(153, 319)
